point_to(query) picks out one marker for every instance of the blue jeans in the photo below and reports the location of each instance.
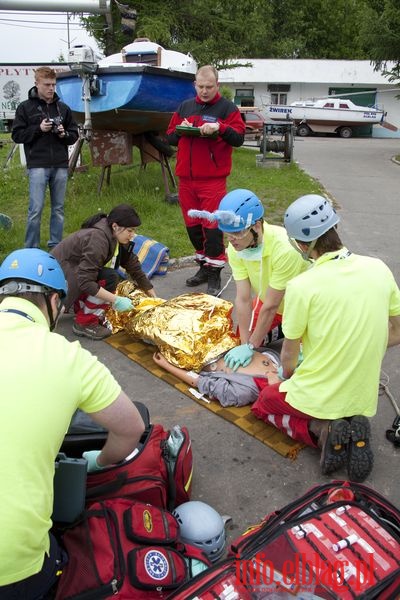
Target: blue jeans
(56, 179)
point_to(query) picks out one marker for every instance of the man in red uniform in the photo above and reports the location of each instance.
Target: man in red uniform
(204, 161)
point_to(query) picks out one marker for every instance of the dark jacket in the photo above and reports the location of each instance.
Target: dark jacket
(43, 150)
(205, 157)
(83, 253)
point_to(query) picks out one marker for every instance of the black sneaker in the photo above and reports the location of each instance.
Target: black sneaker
(214, 281)
(93, 332)
(333, 442)
(201, 276)
(360, 458)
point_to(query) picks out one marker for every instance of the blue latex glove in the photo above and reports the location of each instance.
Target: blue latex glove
(122, 304)
(280, 373)
(300, 358)
(280, 369)
(91, 457)
(239, 357)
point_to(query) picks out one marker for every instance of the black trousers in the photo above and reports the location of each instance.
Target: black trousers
(37, 586)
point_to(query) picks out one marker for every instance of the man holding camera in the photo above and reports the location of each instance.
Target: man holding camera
(45, 126)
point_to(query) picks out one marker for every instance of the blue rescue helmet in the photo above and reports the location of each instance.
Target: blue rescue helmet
(35, 266)
(246, 209)
(309, 217)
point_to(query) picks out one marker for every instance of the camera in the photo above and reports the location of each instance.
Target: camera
(55, 123)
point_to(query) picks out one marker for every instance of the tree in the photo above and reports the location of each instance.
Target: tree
(220, 31)
(381, 35)
(214, 31)
(226, 92)
(317, 29)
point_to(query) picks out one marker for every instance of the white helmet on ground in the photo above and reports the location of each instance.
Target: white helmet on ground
(201, 526)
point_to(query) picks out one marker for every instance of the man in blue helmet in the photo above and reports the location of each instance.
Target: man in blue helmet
(262, 262)
(345, 311)
(44, 380)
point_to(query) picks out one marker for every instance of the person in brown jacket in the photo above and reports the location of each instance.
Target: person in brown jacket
(90, 258)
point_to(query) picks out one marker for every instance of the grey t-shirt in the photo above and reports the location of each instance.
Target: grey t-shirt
(233, 389)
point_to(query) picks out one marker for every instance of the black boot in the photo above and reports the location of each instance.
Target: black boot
(201, 276)
(214, 281)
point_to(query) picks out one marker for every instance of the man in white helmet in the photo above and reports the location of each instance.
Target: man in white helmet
(345, 311)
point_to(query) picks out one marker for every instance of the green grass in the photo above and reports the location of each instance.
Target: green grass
(277, 187)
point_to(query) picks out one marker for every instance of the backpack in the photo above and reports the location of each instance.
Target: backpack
(339, 541)
(127, 548)
(153, 474)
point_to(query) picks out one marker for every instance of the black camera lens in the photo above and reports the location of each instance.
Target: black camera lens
(56, 122)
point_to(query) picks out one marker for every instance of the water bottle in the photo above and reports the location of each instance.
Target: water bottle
(175, 440)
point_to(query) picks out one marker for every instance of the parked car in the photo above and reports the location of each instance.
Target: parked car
(254, 121)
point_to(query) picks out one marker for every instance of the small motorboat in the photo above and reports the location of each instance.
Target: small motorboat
(135, 90)
(327, 115)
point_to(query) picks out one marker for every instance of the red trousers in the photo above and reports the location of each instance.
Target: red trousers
(276, 321)
(90, 310)
(271, 407)
(206, 238)
(275, 331)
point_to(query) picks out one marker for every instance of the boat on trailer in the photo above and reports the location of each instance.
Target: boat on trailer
(135, 90)
(327, 115)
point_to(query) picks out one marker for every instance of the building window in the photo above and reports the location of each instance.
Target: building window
(279, 92)
(278, 98)
(244, 97)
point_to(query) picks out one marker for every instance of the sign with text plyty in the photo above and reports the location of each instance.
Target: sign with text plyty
(15, 82)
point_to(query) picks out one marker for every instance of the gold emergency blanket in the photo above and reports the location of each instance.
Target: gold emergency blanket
(189, 330)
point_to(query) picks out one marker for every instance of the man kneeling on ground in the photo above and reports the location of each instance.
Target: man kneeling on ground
(346, 311)
(44, 380)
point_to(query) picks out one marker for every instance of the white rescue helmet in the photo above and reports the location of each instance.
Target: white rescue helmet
(202, 526)
(309, 217)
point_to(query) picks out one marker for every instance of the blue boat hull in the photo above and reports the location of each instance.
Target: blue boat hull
(134, 99)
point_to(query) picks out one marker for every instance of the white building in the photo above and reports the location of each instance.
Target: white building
(282, 81)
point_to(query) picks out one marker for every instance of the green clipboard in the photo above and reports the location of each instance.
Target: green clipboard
(193, 132)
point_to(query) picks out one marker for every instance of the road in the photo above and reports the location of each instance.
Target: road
(363, 179)
(233, 472)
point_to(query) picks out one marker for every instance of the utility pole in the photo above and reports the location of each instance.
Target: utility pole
(68, 39)
(92, 6)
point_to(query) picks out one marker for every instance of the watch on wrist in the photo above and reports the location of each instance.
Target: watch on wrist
(250, 345)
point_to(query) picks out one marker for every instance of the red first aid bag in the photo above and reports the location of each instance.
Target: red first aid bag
(126, 548)
(339, 541)
(153, 475)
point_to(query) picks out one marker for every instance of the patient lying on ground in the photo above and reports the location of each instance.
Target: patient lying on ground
(189, 330)
(219, 382)
(192, 333)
